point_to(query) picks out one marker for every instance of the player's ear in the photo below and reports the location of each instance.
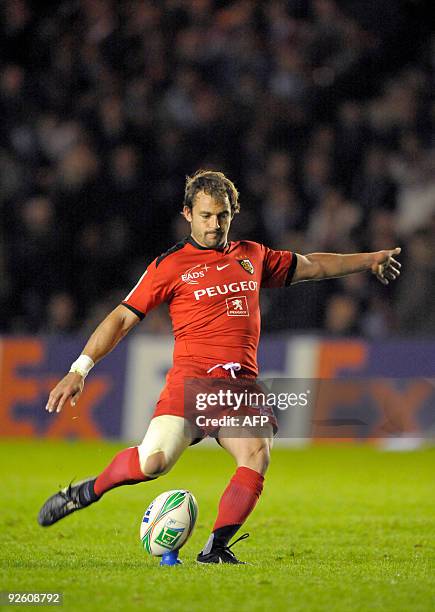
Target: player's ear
(187, 214)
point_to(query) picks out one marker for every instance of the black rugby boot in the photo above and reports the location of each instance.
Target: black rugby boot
(67, 501)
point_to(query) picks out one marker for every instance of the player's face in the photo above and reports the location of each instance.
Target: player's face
(210, 220)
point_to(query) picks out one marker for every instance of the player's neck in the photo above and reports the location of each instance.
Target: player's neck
(191, 240)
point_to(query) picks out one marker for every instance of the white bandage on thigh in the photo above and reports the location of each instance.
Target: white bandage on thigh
(167, 434)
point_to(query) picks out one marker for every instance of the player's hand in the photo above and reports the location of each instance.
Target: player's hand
(70, 387)
(385, 267)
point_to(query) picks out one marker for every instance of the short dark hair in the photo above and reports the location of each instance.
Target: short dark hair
(215, 184)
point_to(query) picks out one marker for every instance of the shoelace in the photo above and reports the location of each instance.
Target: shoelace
(66, 492)
(232, 366)
(67, 495)
(242, 537)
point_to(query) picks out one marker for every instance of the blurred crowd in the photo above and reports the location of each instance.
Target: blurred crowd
(320, 111)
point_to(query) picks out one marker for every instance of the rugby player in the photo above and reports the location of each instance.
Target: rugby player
(212, 286)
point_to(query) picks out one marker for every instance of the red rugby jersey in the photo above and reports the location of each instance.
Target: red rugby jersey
(213, 297)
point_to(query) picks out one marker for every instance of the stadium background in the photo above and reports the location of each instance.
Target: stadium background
(321, 111)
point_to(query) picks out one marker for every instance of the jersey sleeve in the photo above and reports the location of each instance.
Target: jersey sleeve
(152, 289)
(278, 268)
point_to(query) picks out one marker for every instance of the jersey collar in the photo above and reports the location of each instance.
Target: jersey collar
(193, 242)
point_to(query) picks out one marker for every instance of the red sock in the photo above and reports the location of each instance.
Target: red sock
(239, 498)
(123, 470)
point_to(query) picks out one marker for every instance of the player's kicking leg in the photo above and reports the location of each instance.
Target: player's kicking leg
(165, 440)
(241, 495)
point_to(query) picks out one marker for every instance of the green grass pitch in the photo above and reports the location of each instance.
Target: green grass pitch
(337, 528)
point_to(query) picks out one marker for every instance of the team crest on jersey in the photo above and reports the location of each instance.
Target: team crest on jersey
(247, 265)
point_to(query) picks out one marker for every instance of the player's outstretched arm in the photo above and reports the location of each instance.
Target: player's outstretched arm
(318, 266)
(107, 335)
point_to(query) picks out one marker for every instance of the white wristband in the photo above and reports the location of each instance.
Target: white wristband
(83, 365)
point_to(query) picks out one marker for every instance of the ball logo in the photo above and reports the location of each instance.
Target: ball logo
(169, 536)
(192, 275)
(146, 517)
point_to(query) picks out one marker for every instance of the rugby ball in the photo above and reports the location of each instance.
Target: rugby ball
(168, 522)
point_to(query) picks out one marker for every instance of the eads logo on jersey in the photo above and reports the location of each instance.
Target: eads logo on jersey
(192, 275)
(247, 265)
